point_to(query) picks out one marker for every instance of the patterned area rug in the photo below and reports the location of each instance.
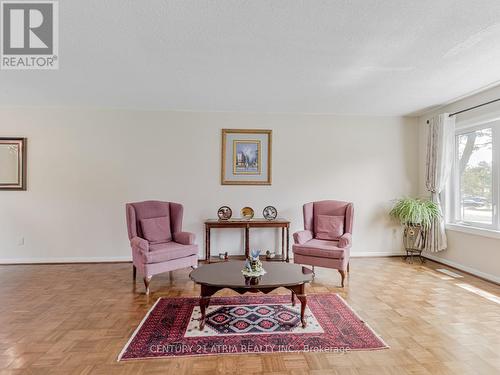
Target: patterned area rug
(249, 324)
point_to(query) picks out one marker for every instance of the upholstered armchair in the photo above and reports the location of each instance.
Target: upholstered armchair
(327, 236)
(157, 240)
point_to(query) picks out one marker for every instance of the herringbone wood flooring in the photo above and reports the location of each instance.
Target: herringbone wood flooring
(75, 319)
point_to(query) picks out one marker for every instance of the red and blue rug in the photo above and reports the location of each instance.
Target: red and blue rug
(249, 324)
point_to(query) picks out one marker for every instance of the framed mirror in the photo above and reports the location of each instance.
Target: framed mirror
(13, 163)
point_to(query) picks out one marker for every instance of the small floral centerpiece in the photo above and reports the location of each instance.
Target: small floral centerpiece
(253, 265)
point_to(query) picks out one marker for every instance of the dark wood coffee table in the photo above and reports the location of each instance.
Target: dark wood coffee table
(218, 276)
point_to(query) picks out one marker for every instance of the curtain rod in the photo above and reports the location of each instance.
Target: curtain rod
(471, 108)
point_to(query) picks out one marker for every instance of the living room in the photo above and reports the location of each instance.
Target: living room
(268, 186)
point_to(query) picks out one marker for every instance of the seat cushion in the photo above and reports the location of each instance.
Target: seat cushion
(156, 229)
(327, 227)
(320, 249)
(166, 251)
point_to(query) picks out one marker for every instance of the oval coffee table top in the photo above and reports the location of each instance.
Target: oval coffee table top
(228, 274)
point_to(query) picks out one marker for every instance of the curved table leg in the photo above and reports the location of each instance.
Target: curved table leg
(299, 292)
(206, 293)
(204, 301)
(303, 302)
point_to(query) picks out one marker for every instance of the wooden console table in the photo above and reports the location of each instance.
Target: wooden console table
(247, 224)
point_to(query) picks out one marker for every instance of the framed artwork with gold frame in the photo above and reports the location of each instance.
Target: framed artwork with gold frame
(246, 157)
(13, 163)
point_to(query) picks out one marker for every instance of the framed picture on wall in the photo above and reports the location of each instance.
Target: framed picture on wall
(246, 157)
(12, 163)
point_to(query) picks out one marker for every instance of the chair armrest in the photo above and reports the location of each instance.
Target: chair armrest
(184, 238)
(345, 240)
(302, 237)
(139, 243)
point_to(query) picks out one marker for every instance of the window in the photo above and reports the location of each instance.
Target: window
(475, 191)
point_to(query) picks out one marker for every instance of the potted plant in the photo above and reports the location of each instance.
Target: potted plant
(416, 215)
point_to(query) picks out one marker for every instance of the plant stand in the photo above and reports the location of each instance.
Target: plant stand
(414, 252)
(413, 238)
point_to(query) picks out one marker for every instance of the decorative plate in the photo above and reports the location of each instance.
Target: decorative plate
(270, 213)
(224, 213)
(247, 213)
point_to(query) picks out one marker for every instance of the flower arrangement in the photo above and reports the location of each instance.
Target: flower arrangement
(253, 265)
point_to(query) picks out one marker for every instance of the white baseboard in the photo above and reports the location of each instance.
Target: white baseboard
(458, 266)
(66, 260)
(367, 254)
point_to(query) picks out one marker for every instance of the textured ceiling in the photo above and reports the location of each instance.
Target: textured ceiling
(345, 57)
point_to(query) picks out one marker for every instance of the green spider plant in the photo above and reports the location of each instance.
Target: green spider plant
(415, 212)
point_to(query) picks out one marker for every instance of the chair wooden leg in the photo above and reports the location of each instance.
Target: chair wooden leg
(134, 272)
(147, 280)
(342, 274)
(348, 266)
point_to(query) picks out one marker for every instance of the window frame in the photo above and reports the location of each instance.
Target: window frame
(454, 217)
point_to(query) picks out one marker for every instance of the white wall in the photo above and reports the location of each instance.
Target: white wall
(84, 165)
(470, 252)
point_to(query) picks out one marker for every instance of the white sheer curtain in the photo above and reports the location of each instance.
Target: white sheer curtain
(440, 154)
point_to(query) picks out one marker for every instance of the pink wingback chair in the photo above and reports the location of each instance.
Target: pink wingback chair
(157, 240)
(327, 236)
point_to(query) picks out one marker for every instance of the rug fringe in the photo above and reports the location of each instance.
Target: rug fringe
(364, 322)
(136, 331)
(166, 358)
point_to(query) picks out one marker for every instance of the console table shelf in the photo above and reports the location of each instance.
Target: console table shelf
(246, 224)
(216, 259)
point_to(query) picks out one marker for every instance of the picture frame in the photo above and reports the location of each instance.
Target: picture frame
(246, 157)
(13, 163)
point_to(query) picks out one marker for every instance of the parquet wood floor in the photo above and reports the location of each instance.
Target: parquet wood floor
(75, 319)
